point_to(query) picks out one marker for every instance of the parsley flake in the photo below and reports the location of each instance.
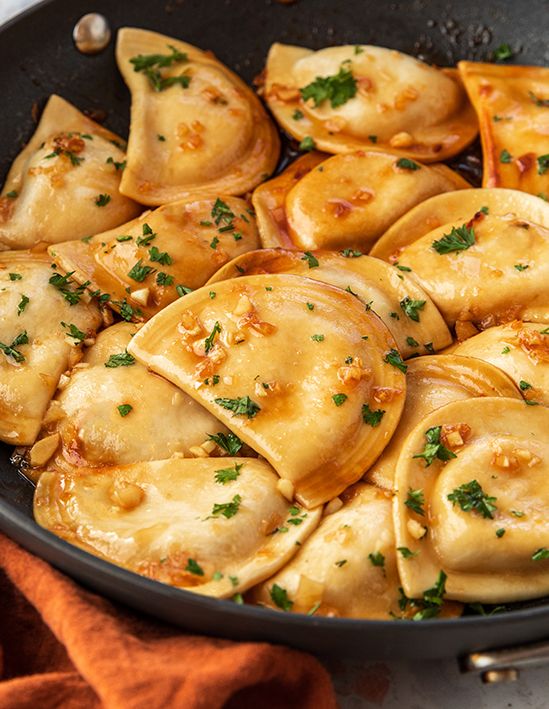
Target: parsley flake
(227, 509)
(138, 272)
(194, 568)
(393, 358)
(25, 300)
(241, 406)
(411, 307)
(279, 597)
(372, 418)
(459, 239)
(415, 501)
(307, 144)
(540, 554)
(102, 200)
(471, 497)
(339, 399)
(121, 359)
(225, 475)
(406, 164)
(228, 442)
(434, 448)
(338, 89)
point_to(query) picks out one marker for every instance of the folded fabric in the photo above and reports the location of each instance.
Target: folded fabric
(62, 646)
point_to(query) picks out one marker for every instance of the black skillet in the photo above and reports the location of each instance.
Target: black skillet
(37, 58)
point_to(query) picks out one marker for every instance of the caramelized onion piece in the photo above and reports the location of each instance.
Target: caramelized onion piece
(382, 99)
(485, 509)
(498, 272)
(69, 159)
(287, 374)
(347, 201)
(195, 125)
(173, 521)
(521, 350)
(511, 104)
(160, 256)
(35, 342)
(457, 207)
(384, 289)
(433, 382)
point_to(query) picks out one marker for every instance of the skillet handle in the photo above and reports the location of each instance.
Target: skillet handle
(504, 665)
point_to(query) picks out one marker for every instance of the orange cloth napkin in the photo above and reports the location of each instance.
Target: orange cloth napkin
(61, 646)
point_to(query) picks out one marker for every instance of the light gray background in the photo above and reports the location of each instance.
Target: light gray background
(408, 685)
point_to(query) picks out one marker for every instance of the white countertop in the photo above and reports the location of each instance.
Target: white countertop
(410, 685)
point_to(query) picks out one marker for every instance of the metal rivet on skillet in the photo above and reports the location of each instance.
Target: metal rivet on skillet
(91, 34)
(505, 674)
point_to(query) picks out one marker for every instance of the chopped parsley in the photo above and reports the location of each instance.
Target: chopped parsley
(403, 268)
(372, 139)
(227, 509)
(411, 307)
(411, 342)
(415, 501)
(122, 359)
(183, 290)
(124, 409)
(124, 238)
(229, 442)
(543, 164)
(148, 236)
(340, 563)
(12, 351)
(139, 272)
(350, 253)
(372, 418)
(524, 385)
(194, 568)
(209, 341)
(538, 101)
(225, 475)
(279, 597)
(74, 332)
(506, 350)
(307, 144)
(520, 267)
(214, 242)
(222, 213)
(459, 239)
(161, 138)
(117, 165)
(15, 276)
(472, 498)
(434, 448)
(500, 532)
(150, 65)
(25, 300)
(317, 338)
(377, 559)
(406, 164)
(297, 115)
(242, 406)
(503, 52)
(339, 399)
(310, 306)
(393, 358)
(540, 554)
(505, 156)
(64, 286)
(163, 279)
(337, 89)
(12, 195)
(102, 200)
(127, 312)
(433, 599)
(407, 553)
(161, 257)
